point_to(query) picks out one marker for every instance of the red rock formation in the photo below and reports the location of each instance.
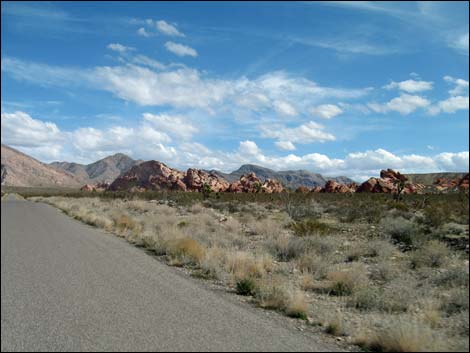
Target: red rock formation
(95, 187)
(389, 182)
(271, 186)
(317, 189)
(251, 183)
(151, 175)
(332, 186)
(302, 190)
(464, 182)
(196, 178)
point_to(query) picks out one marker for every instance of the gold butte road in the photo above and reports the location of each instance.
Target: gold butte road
(69, 287)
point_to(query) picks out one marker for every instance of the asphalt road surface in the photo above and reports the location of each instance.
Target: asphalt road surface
(69, 287)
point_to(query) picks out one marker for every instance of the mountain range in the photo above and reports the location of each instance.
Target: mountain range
(19, 169)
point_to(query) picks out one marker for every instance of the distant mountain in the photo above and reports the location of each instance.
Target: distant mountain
(290, 178)
(19, 169)
(430, 178)
(104, 170)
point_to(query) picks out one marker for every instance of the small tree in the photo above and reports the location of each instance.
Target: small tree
(206, 191)
(400, 185)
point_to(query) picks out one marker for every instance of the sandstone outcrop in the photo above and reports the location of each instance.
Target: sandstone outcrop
(251, 183)
(195, 179)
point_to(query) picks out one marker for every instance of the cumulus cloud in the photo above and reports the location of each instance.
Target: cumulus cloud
(168, 29)
(285, 145)
(284, 108)
(172, 124)
(153, 138)
(119, 48)
(326, 111)
(180, 49)
(404, 104)
(449, 105)
(143, 32)
(20, 128)
(461, 85)
(410, 86)
(306, 133)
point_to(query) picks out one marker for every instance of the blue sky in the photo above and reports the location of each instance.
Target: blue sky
(333, 87)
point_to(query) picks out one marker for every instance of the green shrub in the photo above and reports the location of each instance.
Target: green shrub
(246, 286)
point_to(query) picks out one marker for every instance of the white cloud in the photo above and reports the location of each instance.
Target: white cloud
(180, 49)
(172, 124)
(249, 148)
(143, 32)
(449, 105)
(145, 140)
(119, 47)
(461, 43)
(307, 133)
(168, 29)
(284, 108)
(326, 111)
(461, 85)
(411, 86)
(285, 145)
(20, 128)
(404, 104)
(151, 83)
(146, 61)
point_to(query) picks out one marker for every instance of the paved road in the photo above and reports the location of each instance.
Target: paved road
(66, 286)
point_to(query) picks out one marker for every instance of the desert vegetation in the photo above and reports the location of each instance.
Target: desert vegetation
(367, 269)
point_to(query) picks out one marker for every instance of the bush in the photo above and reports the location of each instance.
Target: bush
(310, 227)
(286, 248)
(433, 254)
(346, 282)
(400, 336)
(271, 295)
(455, 302)
(186, 250)
(246, 286)
(296, 306)
(400, 230)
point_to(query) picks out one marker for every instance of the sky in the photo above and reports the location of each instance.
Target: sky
(338, 88)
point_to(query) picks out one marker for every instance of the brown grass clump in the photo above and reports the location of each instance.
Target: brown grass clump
(347, 281)
(271, 294)
(185, 251)
(401, 336)
(297, 306)
(124, 223)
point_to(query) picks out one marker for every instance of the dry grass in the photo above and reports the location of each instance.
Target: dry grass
(401, 336)
(355, 273)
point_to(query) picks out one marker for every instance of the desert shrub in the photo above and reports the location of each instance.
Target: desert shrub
(347, 281)
(310, 227)
(400, 336)
(244, 265)
(271, 294)
(384, 271)
(335, 325)
(124, 223)
(185, 251)
(296, 305)
(286, 248)
(299, 206)
(435, 216)
(432, 254)
(246, 286)
(400, 230)
(455, 301)
(379, 248)
(388, 300)
(453, 277)
(323, 245)
(314, 264)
